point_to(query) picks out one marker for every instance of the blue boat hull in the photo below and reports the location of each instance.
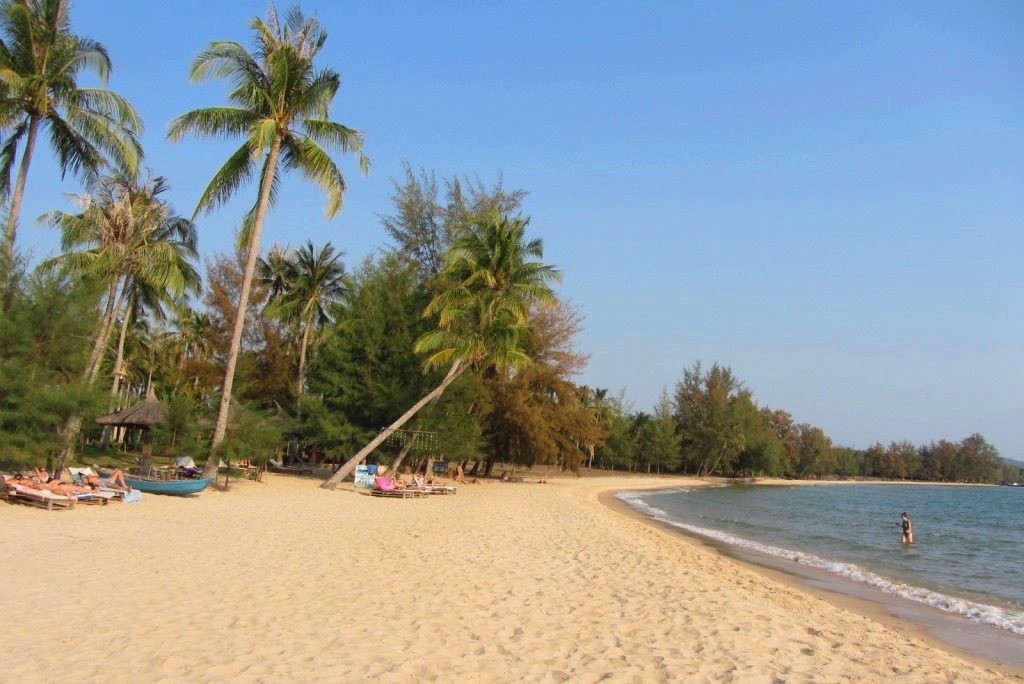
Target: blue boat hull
(171, 487)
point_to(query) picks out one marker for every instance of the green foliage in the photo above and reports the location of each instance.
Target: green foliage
(43, 350)
(621, 445)
(367, 372)
(40, 61)
(279, 104)
(266, 362)
(816, 456)
(658, 441)
(763, 452)
(491, 279)
(537, 415)
(423, 229)
(252, 434)
(709, 407)
(457, 420)
(326, 431)
(181, 432)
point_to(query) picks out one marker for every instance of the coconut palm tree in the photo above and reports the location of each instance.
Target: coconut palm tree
(191, 345)
(131, 239)
(492, 280)
(280, 106)
(275, 273)
(40, 60)
(304, 288)
(144, 299)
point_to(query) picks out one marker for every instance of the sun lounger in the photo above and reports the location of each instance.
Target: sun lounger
(385, 487)
(399, 493)
(432, 488)
(122, 495)
(37, 497)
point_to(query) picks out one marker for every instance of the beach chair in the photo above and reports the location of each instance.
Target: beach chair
(432, 488)
(112, 494)
(385, 487)
(41, 498)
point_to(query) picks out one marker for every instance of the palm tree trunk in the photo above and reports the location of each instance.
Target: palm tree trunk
(113, 307)
(119, 360)
(344, 471)
(243, 302)
(117, 373)
(74, 423)
(15, 207)
(301, 386)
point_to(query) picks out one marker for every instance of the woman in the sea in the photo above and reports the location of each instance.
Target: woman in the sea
(908, 529)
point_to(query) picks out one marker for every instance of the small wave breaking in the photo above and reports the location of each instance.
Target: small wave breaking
(981, 613)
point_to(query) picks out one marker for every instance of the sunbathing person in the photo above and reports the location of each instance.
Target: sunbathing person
(42, 475)
(67, 490)
(114, 481)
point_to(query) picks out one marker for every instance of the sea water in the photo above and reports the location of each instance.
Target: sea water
(968, 555)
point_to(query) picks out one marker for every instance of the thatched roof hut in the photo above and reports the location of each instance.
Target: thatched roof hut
(145, 415)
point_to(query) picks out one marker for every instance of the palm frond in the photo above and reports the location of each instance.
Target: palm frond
(316, 165)
(110, 105)
(212, 122)
(236, 171)
(226, 59)
(7, 156)
(74, 151)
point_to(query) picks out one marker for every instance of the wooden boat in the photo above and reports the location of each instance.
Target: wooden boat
(160, 485)
(171, 487)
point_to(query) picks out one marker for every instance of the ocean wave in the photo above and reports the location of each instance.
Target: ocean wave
(978, 612)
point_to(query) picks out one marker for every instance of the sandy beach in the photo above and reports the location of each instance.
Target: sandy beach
(282, 581)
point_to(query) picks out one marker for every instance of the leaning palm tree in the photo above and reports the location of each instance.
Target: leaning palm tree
(40, 60)
(280, 105)
(482, 313)
(304, 288)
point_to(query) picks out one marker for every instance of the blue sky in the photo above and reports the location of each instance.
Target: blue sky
(826, 197)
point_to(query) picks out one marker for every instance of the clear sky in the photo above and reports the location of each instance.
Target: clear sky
(826, 197)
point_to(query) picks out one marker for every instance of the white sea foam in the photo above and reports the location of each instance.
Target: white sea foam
(978, 612)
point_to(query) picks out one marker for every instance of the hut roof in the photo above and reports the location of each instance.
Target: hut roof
(148, 413)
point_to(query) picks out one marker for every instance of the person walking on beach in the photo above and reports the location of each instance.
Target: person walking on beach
(908, 529)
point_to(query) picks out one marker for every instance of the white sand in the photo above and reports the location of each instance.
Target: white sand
(282, 581)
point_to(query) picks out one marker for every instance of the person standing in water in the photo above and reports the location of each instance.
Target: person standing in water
(908, 529)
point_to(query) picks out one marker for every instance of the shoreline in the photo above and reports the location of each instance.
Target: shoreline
(504, 582)
(914, 619)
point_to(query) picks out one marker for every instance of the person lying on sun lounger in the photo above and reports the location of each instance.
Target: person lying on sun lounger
(114, 481)
(65, 489)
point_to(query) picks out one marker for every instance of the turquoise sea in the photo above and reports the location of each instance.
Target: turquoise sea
(967, 559)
